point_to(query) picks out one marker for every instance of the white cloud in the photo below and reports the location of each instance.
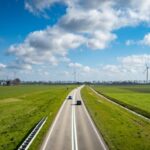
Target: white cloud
(146, 40)
(38, 6)
(2, 66)
(88, 22)
(111, 69)
(96, 20)
(82, 68)
(130, 42)
(50, 45)
(19, 65)
(100, 40)
(135, 61)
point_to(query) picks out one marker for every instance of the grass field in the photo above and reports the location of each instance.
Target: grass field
(21, 107)
(121, 130)
(135, 97)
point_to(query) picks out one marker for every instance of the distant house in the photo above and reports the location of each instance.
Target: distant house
(3, 83)
(16, 81)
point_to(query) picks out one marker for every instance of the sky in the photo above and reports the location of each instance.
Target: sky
(49, 40)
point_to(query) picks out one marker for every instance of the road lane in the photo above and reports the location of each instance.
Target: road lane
(88, 136)
(59, 135)
(73, 128)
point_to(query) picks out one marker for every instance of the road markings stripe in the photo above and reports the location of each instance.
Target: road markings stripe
(94, 128)
(74, 129)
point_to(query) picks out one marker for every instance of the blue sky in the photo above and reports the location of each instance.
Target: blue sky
(49, 39)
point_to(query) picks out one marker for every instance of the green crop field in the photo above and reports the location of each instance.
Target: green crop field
(21, 107)
(121, 129)
(135, 97)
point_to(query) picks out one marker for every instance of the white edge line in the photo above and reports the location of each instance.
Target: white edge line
(93, 126)
(35, 134)
(53, 125)
(72, 133)
(129, 110)
(75, 128)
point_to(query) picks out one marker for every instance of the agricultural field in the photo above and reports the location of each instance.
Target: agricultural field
(21, 107)
(135, 97)
(120, 129)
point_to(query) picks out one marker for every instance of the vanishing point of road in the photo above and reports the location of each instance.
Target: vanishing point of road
(73, 129)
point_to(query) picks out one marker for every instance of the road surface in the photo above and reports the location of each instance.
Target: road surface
(73, 128)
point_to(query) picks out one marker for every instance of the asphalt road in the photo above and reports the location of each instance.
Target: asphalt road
(73, 128)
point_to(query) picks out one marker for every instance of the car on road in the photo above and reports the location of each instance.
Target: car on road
(70, 97)
(78, 102)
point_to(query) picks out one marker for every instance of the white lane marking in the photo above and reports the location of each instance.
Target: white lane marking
(129, 110)
(74, 129)
(53, 125)
(93, 126)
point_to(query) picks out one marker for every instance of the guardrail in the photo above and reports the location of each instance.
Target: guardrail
(28, 141)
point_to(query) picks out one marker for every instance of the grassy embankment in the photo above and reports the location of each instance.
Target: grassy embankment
(136, 98)
(21, 107)
(121, 129)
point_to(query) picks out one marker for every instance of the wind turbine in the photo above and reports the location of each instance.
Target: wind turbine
(147, 72)
(74, 74)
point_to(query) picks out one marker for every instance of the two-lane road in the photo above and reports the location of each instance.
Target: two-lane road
(73, 128)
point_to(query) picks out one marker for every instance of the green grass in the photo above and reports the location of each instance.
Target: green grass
(121, 129)
(21, 107)
(136, 97)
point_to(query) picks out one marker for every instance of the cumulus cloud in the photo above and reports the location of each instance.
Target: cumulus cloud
(2, 66)
(130, 42)
(145, 41)
(88, 22)
(50, 45)
(128, 68)
(135, 60)
(100, 40)
(19, 65)
(82, 68)
(37, 6)
(97, 19)
(132, 63)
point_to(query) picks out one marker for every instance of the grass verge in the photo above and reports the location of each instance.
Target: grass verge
(136, 98)
(121, 130)
(20, 112)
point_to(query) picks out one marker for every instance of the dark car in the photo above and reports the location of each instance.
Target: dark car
(79, 102)
(69, 97)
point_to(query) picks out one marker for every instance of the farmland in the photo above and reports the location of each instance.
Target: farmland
(21, 107)
(135, 97)
(121, 129)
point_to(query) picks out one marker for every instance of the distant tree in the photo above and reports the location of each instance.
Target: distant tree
(8, 82)
(16, 81)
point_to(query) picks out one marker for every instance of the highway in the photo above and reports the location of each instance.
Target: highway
(73, 128)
